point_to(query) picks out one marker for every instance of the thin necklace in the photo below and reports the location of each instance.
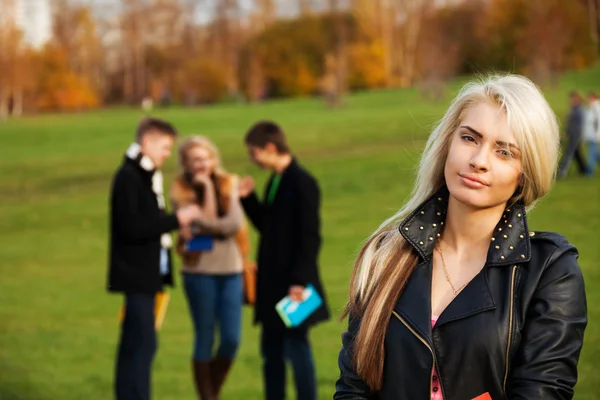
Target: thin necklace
(456, 291)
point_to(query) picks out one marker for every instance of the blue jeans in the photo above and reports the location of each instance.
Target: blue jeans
(593, 156)
(277, 345)
(215, 299)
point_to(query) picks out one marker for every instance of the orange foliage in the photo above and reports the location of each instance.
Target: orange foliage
(202, 81)
(60, 88)
(366, 65)
(539, 37)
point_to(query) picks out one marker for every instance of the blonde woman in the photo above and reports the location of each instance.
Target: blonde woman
(212, 278)
(454, 297)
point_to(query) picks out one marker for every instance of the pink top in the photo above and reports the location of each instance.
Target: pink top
(436, 390)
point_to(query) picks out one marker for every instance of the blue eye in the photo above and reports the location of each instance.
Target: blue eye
(505, 153)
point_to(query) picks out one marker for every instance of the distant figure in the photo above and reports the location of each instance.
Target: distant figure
(574, 132)
(147, 104)
(289, 225)
(212, 278)
(140, 251)
(591, 133)
(165, 98)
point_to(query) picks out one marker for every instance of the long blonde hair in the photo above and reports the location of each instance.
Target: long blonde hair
(223, 180)
(386, 260)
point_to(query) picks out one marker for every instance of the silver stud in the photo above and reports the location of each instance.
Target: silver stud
(499, 229)
(422, 212)
(502, 257)
(442, 223)
(430, 238)
(405, 229)
(421, 228)
(493, 239)
(504, 216)
(439, 199)
(523, 256)
(518, 215)
(509, 225)
(521, 236)
(505, 236)
(497, 247)
(508, 210)
(439, 213)
(506, 221)
(434, 225)
(421, 243)
(510, 247)
(531, 233)
(438, 235)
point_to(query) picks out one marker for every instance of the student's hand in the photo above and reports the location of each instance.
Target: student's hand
(202, 178)
(187, 214)
(296, 293)
(246, 186)
(186, 233)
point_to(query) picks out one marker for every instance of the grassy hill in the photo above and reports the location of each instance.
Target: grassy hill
(59, 330)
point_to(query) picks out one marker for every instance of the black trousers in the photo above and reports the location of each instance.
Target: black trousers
(573, 151)
(279, 346)
(136, 348)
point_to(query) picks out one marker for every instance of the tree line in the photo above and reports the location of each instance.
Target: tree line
(161, 51)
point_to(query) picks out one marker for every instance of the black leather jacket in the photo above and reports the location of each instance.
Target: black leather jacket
(515, 331)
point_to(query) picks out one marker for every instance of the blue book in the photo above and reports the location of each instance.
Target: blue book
(199, 243)
(294, 313)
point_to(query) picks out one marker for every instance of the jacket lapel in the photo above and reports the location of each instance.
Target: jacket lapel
(414, 304)
(475, 298)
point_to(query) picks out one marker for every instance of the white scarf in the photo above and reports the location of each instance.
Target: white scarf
(134, 152)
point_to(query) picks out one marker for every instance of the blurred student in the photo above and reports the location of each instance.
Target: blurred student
(574, 132)
(288, 222)
(140, 243)
(212, 277)
(591, 133)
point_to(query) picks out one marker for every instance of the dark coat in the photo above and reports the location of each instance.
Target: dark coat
(136, 224)
(515, 331)
(290, 240)
(575, 121)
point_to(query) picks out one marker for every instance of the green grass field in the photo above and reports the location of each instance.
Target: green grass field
(59, 330)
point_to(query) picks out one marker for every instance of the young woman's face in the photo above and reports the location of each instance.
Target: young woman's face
(200, 161)
(483, 168)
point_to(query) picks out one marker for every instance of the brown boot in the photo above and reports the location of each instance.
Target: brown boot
(203, 380)
(219, 368)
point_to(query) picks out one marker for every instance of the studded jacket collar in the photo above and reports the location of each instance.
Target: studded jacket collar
(510, 243)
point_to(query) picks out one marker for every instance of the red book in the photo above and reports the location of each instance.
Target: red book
(485, 396)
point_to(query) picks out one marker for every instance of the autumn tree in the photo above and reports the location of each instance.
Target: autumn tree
(539, 38)
(59, 87)
(15, 63)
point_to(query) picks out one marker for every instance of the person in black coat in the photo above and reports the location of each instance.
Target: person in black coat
(574, 134)
(290, 239)
(140, 260)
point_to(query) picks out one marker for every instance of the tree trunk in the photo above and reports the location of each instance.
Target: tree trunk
(594, 16)
(3, 103)
(386, 41)
(17, 110)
